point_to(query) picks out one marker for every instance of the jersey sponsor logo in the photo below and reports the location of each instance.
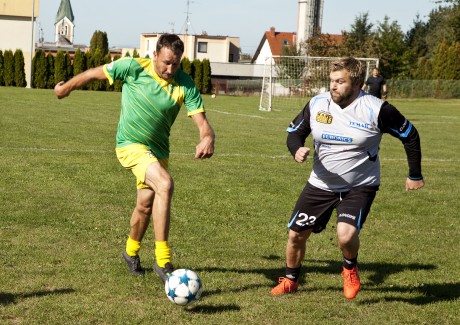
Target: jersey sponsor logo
(346, 215)
(336, 138)
(359, 125)
(323, 117)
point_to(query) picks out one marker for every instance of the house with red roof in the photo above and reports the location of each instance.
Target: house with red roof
(272, 44)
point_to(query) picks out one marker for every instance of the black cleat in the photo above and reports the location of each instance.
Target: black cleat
(164, 272)
(134, 263)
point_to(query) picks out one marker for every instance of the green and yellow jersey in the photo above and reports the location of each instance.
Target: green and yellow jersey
(150, 104)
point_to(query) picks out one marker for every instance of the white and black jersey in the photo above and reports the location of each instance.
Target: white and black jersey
(346, 140)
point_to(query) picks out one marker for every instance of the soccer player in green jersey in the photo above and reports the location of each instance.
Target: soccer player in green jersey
(152, 95)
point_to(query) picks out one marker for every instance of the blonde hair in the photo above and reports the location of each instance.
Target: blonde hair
(355, 67)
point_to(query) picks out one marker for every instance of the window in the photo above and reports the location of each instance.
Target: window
(230, 57)
(285, 42)
(203, 47)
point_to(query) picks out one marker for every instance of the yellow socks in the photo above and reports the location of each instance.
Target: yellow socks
(132, 247)
(162, 253)
(162, 250)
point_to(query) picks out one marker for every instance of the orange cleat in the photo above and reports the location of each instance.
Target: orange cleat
(285, 285)
(351, 282)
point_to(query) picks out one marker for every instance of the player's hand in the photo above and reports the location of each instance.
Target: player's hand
(414, 184)
(205, 149)
(385, 95)
(60, 90)
(302, 154)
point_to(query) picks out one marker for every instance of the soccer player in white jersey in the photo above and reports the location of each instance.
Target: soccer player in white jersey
(347, 126)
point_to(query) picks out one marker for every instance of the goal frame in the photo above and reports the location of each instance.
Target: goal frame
(307, 85)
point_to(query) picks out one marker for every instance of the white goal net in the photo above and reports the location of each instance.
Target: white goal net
(290, 80)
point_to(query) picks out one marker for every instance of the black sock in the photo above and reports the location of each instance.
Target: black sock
(350, 263)
(293, 273)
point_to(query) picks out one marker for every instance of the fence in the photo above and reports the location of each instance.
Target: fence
(443, 89)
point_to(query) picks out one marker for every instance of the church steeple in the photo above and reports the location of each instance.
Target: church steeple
(64, 25)
(65, 10)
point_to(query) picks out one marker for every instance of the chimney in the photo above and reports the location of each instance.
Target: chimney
(272, 31)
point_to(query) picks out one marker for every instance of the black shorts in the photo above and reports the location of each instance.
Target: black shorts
(314, 207)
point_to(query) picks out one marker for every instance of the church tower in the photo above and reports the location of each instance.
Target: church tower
(64, 25)
(309, 19)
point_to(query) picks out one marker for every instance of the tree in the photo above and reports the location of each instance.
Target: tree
(324, 45)
(8, 68)
(359, 40)
(135, 54)
(1, 68)
(60, 70)
(50, 71)
(206, 81)
(99, 41)
(96, 60)
(19, 71)
(40, 73)
(68, 65)
(392, 49)
(186, 65)
(79, 62)
(416, 47)
(197, 73)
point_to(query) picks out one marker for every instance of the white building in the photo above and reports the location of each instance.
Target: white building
(221, 49)
(17, 26)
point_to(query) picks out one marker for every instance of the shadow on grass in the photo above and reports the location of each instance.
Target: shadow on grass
(376, 275)
(427, 293)
(11, 298)
(203, 309)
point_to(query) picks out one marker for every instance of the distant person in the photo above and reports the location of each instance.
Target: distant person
(376, 84)
(347, 126)
(152, 95)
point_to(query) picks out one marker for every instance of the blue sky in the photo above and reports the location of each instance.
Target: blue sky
(249, 19)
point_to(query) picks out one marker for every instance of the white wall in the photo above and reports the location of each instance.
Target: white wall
(19, 36)
(265, 52)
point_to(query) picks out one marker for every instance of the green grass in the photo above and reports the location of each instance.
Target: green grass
(65, 205)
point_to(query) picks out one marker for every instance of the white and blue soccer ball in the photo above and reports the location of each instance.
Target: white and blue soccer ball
(183, 287)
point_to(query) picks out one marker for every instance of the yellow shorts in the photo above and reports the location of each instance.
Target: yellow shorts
(137, 158)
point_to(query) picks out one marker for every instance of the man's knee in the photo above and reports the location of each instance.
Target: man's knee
(144, 210)
(165, 185)
(298, 238)
(159, 180)
(346, 233)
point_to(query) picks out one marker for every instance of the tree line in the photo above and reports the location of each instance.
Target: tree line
(48, 70)
(429, 50)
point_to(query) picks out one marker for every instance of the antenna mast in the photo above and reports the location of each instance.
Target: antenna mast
(187, 23)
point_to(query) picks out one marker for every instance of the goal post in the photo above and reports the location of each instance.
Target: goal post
(289, 80)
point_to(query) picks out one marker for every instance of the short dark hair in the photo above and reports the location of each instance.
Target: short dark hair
(172, 42)
(355, 67)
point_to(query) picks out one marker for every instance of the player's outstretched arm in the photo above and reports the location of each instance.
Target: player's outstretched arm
(63, 89)
(414, 184)
(204, 149)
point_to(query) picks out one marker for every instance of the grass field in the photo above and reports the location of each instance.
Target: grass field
(65, 204)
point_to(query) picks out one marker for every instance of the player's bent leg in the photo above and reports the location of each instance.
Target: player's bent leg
(159, 179)
(139, 223)
(348, 239)
(295, 252)
(142, 213)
